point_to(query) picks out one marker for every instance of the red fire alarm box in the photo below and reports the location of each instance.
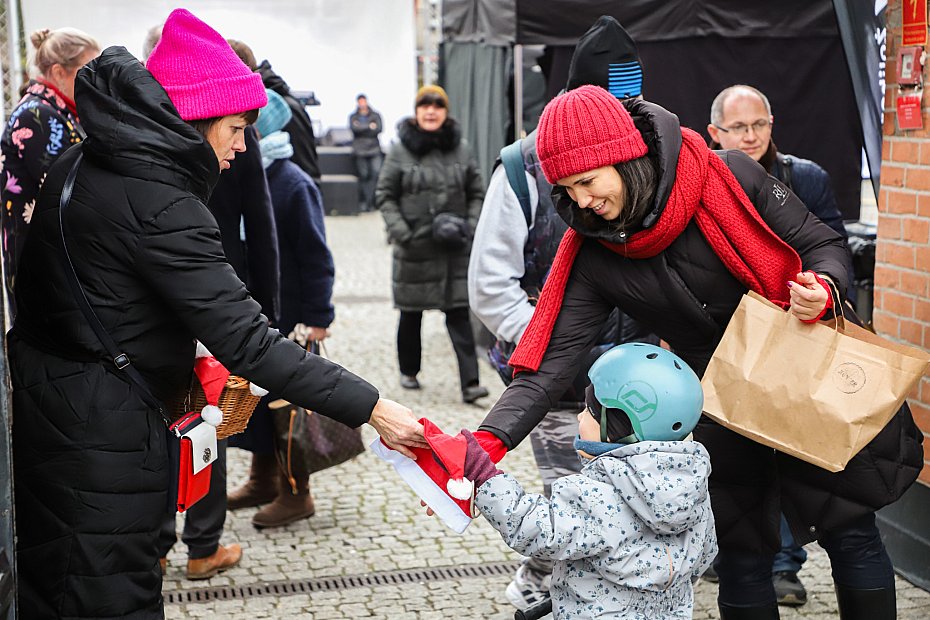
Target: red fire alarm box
(910, 66)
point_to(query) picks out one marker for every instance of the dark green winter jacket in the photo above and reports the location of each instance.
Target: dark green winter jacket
(424, 174)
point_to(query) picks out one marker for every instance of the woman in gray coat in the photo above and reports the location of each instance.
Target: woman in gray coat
(430, 193)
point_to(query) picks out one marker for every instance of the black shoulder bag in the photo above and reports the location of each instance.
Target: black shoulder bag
(119, 359)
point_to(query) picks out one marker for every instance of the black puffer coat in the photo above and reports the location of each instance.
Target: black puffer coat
(686, 296)
(91, 468)
(424, 174)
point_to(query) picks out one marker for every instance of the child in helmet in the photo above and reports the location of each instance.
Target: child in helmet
(633, 530)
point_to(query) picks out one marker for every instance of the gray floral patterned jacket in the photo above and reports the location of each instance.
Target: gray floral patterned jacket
(628, 535)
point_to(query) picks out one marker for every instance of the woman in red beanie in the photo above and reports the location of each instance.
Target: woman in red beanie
(89, 444)
(674, 234)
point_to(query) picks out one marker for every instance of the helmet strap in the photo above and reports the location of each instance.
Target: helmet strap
(604, 437)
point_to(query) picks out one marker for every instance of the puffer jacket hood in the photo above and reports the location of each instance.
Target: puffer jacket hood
(661, 132)
(640, 472)
(134, 130)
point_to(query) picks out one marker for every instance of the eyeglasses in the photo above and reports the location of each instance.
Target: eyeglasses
(763, 124)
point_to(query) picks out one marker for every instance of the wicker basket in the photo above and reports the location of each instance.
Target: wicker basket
(236, 402)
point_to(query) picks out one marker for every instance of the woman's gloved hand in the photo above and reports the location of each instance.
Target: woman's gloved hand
(479, 468)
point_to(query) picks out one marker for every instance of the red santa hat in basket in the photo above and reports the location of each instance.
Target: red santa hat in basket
(213, 376)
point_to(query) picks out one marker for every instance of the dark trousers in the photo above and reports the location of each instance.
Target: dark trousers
(792, 555)
(368, 167)
(204, 521)
(857, 557)
(409, 348)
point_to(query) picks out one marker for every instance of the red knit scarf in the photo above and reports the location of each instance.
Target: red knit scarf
(706, 190)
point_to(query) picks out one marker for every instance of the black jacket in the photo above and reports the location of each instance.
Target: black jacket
(686, 296)
(240, 201)
(300, 128)
(365, 129)
(90, 457)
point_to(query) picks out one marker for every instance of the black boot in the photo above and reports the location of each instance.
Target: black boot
(768, 612)
(876, 604)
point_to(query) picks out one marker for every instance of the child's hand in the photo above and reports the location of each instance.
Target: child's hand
(479, 468)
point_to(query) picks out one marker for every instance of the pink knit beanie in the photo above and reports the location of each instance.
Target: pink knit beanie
(200, 72)
(584, 129)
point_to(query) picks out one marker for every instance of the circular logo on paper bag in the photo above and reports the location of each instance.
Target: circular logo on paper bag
(206, 455)
(849, 377)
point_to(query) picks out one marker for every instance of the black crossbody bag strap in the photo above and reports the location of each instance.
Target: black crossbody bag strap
(120, 360)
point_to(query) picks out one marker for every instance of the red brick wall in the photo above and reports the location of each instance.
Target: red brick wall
(902, 269)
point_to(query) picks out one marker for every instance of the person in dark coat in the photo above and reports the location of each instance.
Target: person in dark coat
(241, 205)
(741, 118)
(90, 452)
(307, 275)
(674, 235)
(429, 172)
(365, 124)
(39, 130)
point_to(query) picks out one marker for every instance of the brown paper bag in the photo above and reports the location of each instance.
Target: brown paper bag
(819, 392)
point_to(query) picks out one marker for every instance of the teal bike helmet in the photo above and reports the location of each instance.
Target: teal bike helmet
(654, 388)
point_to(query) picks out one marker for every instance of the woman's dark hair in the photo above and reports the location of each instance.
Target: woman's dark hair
(203, 125)
(640, 179)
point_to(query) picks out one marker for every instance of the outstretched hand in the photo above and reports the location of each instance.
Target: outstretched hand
(397, 426)
(808, 297)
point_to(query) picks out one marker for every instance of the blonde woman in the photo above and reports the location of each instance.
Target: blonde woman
(42, 126)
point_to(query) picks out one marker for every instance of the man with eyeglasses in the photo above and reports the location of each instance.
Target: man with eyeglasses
(741, 118)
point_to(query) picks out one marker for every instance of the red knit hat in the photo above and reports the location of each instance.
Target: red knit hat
(200, 72)
(584, 129)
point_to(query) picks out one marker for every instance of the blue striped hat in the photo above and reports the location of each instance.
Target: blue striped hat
(606, 56)
(274, 116)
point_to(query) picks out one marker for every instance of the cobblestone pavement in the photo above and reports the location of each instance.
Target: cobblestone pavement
(368, 521)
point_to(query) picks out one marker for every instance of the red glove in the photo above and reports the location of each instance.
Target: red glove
(479, 468)
(491, 444)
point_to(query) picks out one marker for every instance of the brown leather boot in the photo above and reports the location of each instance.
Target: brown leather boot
(260, 487)
(222, 558)
(293, 503)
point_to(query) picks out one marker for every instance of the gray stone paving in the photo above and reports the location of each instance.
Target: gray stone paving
(367, 520)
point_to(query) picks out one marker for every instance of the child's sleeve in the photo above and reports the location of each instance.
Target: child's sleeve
(558, 528)
(709, 548)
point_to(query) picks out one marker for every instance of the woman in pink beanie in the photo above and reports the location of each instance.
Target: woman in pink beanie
(674, 235)
(123, 248)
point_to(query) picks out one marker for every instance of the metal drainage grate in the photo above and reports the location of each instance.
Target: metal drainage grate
(326, 584)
